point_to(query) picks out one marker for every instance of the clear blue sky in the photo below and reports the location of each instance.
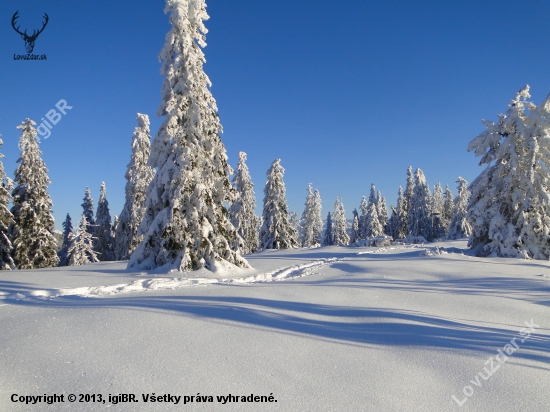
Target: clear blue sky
(347, 93)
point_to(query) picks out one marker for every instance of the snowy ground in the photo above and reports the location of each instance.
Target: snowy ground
(345, 329)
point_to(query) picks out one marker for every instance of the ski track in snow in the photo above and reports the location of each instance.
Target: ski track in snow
(142, 285)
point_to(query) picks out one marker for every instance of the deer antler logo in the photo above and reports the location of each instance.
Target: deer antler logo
(29, 40)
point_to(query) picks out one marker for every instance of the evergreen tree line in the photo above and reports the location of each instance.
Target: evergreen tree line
(178, 184)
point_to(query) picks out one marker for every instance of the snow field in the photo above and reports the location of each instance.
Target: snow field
(384, 330)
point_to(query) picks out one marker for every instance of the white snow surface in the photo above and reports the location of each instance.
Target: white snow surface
(398, 328)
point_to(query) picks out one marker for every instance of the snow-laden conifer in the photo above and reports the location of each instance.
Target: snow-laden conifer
(459, 226)
(339, 226)
(382, 210)
(81, 250)
(104, 243)
(295, 222)
(509, 203)
(409, 192)
(242, 210)
(448, 204)
(328, 238)
(419, 219)
(401, 230)
(392, 228)
(363, 208)
(354, 235)
(88, 211)
(373, 227)
(6, 218)
(276, 231)
(138, 177)
(312, 220)
(186, 225)
(440, 225)
(32, 231)
(113, 228)
(68, 235)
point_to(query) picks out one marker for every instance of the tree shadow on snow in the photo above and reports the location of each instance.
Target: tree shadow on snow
(343, 324)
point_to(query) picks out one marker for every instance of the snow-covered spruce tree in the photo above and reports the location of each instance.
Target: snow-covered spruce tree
(373, 198)
(6, 218)
(393, 224)
(113, 228)
(440, 225)
(295, 221)
(363, 208)
(373, 227)
(401, 230)
(317, 218)
(32, 231)
(138, 177)
(382, 210)
(459, 226)
(276, 231)
(242, 210)
(307, 230)
(339, 226)
(355, 233)
(312, 221)
(81, 251)
(186, 225)
(448, 204)
(420, 219)
(104, 243)
(328, 238)
(88, 211)
(509, 206)
(68, 236)
(409, 193)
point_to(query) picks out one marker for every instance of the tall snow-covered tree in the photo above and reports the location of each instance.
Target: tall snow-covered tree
(510, 201)
(409, 192)
(32, 231)
(339, 226)
(382, 210)
(81, 251)
(402, 212)
(242, 210)
(276, 231)
(328, 238)
(448, 204)
(354, 235)
(138, 177)
(363, 208)
(373, 198)
(460, 227)
(6, 218)
(88, 211)
(372, 228)
(312, 220)
(392, 228)
(104, 243)
(439, 228)
(186, 225)
(419, 219)
(68, 236)
(372, 225)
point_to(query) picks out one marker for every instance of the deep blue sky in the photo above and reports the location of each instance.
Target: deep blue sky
(347, 93)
